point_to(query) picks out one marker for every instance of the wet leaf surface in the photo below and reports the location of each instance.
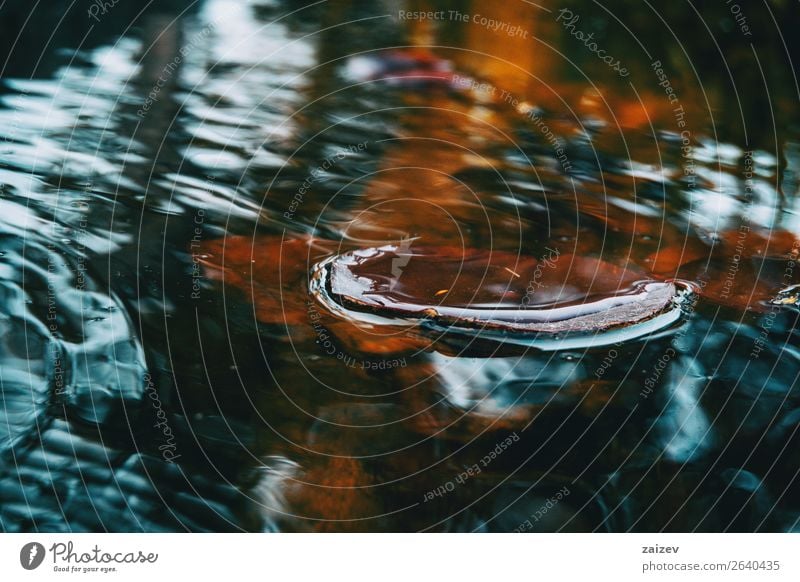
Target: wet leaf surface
(468, 195)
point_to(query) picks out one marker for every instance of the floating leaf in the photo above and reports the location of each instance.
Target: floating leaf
(555, 295)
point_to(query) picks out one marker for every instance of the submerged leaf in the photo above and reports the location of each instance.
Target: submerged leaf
(490, 291)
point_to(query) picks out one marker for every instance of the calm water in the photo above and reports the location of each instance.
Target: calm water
(169, 179)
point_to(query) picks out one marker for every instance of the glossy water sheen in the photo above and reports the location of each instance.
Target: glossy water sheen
(164, 367)
(478, 291)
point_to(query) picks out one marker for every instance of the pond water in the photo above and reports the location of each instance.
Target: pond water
(171, 181)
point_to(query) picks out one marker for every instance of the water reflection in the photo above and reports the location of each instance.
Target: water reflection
(167, 188)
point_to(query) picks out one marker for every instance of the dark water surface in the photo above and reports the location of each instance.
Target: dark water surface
(170, 177)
